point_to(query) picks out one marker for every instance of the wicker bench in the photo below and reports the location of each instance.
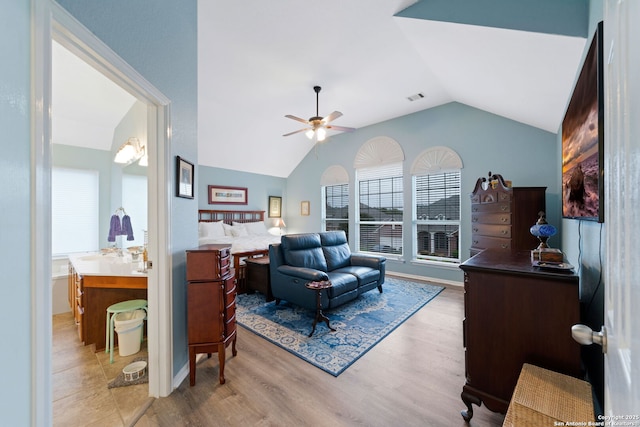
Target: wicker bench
(547, 398)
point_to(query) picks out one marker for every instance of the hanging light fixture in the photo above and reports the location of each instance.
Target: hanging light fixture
(144, 160)
(129, 152)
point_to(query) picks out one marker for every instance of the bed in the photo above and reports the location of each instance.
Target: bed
(223, 226)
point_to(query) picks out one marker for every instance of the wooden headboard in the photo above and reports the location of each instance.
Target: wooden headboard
(207, 215)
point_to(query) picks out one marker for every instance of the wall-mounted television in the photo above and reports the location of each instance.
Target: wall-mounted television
(583, 139)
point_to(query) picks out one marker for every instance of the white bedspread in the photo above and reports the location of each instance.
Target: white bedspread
(243, 243)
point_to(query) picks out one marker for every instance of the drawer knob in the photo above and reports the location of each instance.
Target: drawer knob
(475, 229)
(474, 219)
(504, 232)
(504, 246)
(504, 208)
(475, 209)
(475, 242)
(503, 219)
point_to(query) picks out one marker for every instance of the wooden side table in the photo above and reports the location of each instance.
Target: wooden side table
(258, 276)
(318, 287)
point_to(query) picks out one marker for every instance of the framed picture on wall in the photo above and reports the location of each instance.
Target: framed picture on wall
(222, 194)
(184, 178)
(305, 208)
(275, 207)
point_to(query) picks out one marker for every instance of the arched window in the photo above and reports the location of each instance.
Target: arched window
(379, 212)
(436, 207)
(335, 194)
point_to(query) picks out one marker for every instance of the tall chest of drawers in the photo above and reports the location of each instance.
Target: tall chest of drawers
(501, 216)
(211, 304)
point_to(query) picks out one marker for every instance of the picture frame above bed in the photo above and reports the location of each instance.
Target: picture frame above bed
(275, 207)
(225, 195)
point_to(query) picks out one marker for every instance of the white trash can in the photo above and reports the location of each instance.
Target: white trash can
(128, 326)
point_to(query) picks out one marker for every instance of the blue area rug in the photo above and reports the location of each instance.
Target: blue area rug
(359, 324)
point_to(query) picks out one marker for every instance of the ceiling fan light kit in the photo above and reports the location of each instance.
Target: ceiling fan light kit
(318, 125)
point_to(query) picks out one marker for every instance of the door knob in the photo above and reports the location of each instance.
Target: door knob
(584, 335)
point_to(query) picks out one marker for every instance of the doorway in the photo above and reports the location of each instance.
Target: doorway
(52, 22)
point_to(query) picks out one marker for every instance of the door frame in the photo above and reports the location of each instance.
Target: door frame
(50, 21)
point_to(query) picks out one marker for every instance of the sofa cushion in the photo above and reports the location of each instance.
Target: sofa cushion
(303, 250)
(364, 274)
(341, 283)
(336, 249)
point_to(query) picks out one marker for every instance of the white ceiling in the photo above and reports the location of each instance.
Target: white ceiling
(258, 61)
(86, 106)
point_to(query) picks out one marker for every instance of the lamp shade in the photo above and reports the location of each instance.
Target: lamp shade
(279, 222)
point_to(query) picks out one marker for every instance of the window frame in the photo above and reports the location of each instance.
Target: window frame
(324, 219)
(87, 178)
(417, 222)
(394, 252)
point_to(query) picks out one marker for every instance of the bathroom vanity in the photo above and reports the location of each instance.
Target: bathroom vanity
(97, 281)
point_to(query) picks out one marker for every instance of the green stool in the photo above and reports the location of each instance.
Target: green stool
(112, 310)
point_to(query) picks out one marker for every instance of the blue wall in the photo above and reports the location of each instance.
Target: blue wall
(15, 232)
(485, 142)
(158, 38)
(260, 187)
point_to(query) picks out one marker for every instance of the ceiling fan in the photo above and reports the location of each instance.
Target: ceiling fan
(318, 126)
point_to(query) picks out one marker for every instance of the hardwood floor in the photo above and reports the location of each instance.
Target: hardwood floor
(80, 379)
(414, 377)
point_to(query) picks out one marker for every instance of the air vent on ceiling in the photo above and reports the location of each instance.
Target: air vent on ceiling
(415, 97)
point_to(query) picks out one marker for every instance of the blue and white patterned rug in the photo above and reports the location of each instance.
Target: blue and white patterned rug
(359, 324)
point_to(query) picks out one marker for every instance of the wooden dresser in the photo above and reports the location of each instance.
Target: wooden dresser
(501, 216)
(211, 304)
(514, 314)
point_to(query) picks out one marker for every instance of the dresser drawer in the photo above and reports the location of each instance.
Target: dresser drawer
(230, 326)
(230, 312)
(225, 263)
(483, 242)
(491, 230)
(492, 207)
(491, 218)
(491, 197)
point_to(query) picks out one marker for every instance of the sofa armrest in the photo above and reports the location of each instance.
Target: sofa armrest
(309, 274)
(372, 261)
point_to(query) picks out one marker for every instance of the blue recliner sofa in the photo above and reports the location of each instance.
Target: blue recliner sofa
(303, 258)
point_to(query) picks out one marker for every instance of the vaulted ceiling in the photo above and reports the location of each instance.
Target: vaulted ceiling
(259, 60)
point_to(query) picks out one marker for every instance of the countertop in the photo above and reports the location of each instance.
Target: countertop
(109, 264)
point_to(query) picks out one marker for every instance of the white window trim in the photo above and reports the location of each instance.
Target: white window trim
(432, 161)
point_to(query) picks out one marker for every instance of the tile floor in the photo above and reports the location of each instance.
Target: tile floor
(80, 379)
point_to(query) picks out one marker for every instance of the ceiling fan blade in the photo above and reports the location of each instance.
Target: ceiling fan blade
(332, 116)
(296, 131)
(341, 128)
(289, 116)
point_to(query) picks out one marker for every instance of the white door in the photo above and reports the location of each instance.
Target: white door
(622, 215)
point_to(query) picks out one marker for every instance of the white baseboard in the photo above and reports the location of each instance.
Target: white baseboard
(426, 279)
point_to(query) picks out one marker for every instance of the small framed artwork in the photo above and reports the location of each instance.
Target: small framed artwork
(304, 208)
(222, 194)
(275, 207)
(184, 178)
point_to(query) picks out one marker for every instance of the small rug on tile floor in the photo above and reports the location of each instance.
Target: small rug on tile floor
(360, 324)
(119, 381)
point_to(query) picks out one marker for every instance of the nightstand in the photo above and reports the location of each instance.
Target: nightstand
(258, 276)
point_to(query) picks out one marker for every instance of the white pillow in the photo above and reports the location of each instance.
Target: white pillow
(238, 231)
(227, 229)
(255, 228)
(210, 229)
